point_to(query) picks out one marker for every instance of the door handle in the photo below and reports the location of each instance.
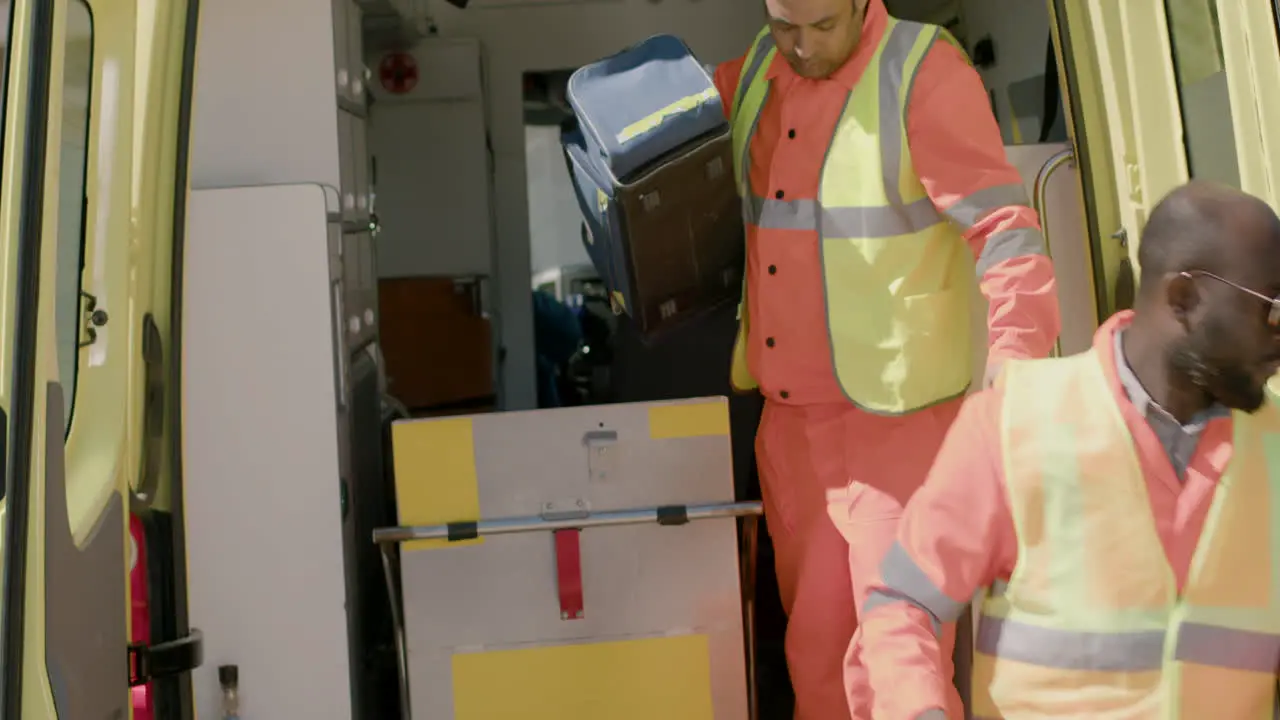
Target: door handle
(1121, 236)
(153, 409)
(166, 659)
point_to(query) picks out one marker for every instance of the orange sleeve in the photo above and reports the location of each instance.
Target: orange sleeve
(726, 78)
(956, 536)
(959, 156)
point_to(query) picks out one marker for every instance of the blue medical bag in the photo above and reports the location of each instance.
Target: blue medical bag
(650, 157)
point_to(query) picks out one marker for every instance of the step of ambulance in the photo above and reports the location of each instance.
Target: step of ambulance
(620, 622)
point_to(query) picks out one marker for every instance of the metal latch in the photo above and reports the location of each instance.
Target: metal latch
(1121, 236)
(602, 454)
(147, 662)
(92, 318)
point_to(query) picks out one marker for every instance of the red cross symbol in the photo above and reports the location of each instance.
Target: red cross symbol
(398, 72)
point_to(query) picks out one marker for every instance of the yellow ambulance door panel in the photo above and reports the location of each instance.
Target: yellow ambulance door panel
(163, 66)
(1209, 96)
(1122, 103)
(64, 620)
(92, 185)
(1251, 59)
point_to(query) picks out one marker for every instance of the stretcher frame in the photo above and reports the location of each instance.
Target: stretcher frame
(747, 514)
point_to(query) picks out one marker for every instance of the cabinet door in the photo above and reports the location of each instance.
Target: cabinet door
(1121, 93)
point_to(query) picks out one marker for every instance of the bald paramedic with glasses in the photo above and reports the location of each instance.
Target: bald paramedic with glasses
(1121, 507)
(873, 179)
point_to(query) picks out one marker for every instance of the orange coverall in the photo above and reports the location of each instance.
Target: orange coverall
(812, 442)
(959, 534)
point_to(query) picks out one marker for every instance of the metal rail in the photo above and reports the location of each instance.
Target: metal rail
(664, 515)
(388, 539)
(1040, 200)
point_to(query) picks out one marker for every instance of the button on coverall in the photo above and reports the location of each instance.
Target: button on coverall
(835, 478)
(958, 535)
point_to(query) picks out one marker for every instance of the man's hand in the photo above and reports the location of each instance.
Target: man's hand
(993, 371)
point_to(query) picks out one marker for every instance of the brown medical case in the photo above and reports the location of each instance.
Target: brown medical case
(682, 235)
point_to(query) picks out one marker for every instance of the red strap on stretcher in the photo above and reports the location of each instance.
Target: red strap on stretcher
(569, 573)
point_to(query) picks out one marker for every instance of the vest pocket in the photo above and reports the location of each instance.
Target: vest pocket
(936, 345)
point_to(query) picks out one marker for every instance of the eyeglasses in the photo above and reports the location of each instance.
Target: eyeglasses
(1273, 316)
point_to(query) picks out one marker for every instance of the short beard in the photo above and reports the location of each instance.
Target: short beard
(1230, 386)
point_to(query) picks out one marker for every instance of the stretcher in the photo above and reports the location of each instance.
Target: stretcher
(594, 604)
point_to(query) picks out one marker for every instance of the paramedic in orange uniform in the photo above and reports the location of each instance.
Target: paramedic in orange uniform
(873, 178)
(1078, 490)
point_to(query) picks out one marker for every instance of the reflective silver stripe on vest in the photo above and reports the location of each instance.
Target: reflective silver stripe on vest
(753, 68)
(968, 211)
(1003, 245)
(851, 222)
(1007, 245)
(843, 222)
(749, 215)
(1228, 648)
(1132, 651)
(879, 598)
(892, 64)
(907, 581)
(1069, 650)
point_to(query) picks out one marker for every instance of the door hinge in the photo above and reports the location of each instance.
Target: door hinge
(147, 662)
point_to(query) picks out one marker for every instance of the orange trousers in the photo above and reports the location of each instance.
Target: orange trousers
(835, 480)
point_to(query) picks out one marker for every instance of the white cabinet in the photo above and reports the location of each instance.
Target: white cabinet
(432, 154)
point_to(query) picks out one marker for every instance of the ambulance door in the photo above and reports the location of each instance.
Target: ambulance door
(163, 647)
(1250, 69)
(1120, 91)
(89, 157)
(63, 604)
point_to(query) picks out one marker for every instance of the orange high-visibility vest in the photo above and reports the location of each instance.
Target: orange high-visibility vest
(1091, 623)
(896, 273)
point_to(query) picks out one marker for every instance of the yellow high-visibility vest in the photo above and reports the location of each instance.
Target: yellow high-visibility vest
(896, 273)
(1091, 623)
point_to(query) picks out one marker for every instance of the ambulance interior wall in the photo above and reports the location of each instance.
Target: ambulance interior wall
(518, 36)
(265, 95)
(1019, 32)
(265, 114)
(555, 238)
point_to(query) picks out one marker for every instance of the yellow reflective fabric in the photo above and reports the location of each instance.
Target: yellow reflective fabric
(951, 40)
(654, 119)
(1090, 623)
(748, 101)
(896, 273)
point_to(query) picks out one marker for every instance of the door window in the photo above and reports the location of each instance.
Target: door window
(72, 310)
(1196, 43)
